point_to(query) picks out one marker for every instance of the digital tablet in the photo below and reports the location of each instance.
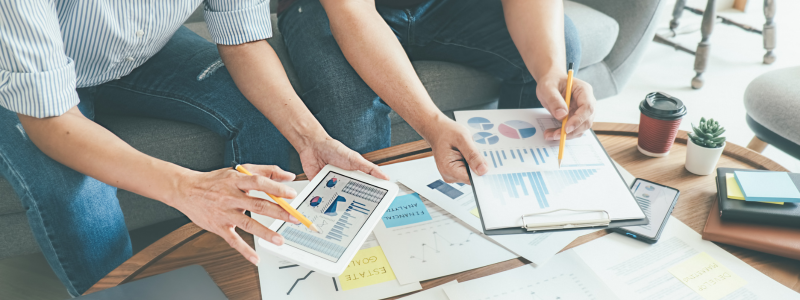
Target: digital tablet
(345, 206)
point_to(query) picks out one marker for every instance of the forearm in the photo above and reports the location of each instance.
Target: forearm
(537, 28)
(372, 49)
(90, 149)
(259, 75)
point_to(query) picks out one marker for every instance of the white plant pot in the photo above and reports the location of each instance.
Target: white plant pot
(701, 160)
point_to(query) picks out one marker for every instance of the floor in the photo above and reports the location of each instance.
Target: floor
(735, 61)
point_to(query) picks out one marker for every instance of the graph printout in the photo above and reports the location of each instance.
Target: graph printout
(339, 206)
(524, 176)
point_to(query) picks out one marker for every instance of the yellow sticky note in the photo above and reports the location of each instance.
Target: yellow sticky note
(475, 212)
(367, 268)
(734, 191)
(707, 277)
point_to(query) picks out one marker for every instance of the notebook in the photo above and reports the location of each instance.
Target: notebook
(778, 240)
(190, 283)
(787, 214)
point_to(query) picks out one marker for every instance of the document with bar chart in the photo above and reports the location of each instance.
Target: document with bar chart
(524, 177)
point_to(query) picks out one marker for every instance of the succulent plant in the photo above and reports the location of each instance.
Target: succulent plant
(707, 134)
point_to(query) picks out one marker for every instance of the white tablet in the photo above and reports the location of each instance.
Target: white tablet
(346, 206)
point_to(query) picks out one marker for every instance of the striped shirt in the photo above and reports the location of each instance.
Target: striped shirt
(50, 48)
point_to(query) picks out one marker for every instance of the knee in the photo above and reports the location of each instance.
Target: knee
(572, 42)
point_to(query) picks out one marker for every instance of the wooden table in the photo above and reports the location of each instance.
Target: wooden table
(238, 279)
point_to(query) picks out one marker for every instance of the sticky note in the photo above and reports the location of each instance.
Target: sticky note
(406, 209)
(367, 268)
(475, 212)
(767, 186)
(734, 192)
(703, 274)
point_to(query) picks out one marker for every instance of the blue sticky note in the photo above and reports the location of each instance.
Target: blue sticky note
(406, 209)
(767, 186)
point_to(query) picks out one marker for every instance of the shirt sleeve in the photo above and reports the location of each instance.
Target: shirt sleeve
(234, 22)
(36, 77)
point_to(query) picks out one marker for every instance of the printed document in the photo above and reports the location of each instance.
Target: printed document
(524, 176)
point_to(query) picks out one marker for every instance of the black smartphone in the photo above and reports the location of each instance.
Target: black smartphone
(657, 202)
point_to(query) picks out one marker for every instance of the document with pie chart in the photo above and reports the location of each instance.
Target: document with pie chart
(524, 177)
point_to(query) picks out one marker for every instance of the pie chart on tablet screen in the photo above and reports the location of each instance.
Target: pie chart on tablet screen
(485, 138)
(517, 129)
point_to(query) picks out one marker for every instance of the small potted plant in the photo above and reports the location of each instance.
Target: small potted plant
(704, 147)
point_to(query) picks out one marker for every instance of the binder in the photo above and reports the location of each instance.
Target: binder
(583, 219)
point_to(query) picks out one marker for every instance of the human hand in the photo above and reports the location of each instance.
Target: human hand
(318, 153)
(452, 146)
(551, 92)
(216, 201)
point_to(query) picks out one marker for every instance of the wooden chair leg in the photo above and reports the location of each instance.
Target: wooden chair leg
(757, 145)
(769, 31)
(701, 56)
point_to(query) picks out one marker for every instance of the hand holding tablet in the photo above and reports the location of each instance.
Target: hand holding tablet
(345, 206)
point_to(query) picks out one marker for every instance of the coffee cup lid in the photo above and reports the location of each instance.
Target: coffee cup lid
(662, 106)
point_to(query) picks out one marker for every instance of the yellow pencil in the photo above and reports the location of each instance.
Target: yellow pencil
(564, 122)
(288, 208)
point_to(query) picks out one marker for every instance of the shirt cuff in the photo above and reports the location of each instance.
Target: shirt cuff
(41, 94)
(239, 26)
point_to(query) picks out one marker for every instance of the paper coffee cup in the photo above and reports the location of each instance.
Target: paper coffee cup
(660, 117)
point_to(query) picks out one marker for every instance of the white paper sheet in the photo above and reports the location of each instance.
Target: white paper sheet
(524, 176)
(434, 248)
(434, 293)
(564, 277)
(458, 200)
(281, 279)
(636, 270)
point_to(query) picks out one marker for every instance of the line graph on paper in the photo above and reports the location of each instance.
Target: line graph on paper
(439, 242)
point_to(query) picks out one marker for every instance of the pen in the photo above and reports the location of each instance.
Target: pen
(564, 122)
(288, 208)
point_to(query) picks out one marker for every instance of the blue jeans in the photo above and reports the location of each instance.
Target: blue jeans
(467, 32)
(76, 219)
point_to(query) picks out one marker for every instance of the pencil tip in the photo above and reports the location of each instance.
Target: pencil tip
(315, 228)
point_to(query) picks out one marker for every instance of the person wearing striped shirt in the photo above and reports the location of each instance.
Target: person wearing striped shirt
(361, 49)
(62, 60)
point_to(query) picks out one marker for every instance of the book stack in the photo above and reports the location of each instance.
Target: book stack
(758, 210)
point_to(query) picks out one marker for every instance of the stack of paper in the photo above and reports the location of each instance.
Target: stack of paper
(680, 266)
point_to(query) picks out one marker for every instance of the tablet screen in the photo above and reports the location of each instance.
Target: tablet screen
(339, 206)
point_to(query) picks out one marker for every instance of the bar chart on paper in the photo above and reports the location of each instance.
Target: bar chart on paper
(536, 185)
(527, 157)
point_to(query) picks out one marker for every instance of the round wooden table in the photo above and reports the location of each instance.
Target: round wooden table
(238, 278)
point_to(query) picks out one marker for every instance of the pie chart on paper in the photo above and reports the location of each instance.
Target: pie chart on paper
(517, 129)
(480, 123)
(485, 138)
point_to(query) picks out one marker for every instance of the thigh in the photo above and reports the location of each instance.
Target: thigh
(342, 102)
(187, 81)
(76, 219)
(474, 33)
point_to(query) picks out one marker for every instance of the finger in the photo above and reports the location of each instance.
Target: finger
(264, 184)
(252, 226)
(271, 172)
(452, 167)
(363, 165)
(266, 208)
(553, 101)
(552, 134)
(473, 157)
(236, 242)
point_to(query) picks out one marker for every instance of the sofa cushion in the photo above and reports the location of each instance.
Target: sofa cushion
(773, 100)
(596, 31)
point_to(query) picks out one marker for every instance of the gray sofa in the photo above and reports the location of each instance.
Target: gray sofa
(613, 33)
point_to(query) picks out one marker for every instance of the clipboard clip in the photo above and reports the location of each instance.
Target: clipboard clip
(554, 223)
